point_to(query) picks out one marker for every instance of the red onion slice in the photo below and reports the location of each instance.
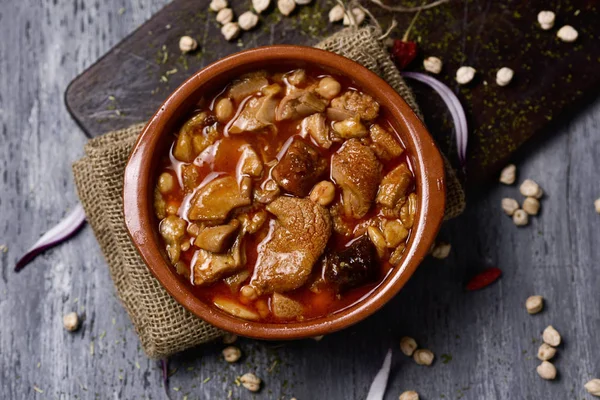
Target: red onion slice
(61, 232)
(456, 110)
(377, 390)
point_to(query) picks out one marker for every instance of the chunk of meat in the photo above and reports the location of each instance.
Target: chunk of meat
(297, 239)
(358, 103)
(297, 77)
(350, 128)
(191, 140)
(300, 104)
(356, 169)
(395, 186)
(285, 307)
(338, 114)
(172, 229)
(316, 126)
(268, 192)
(250, 163)
(209, 267)
(190, 177)
(385, 146)
(235, 281)
(300, 168)
(352, 267)
(201, 141)
(216, 199)
(248, 85)
(258, 113)
(217, 238)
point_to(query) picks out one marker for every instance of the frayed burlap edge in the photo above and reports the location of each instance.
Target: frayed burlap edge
(163, 325)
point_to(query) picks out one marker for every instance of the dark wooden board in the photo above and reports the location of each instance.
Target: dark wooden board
(129, 83)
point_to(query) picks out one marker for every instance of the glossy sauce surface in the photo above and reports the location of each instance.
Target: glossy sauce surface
(317, 296)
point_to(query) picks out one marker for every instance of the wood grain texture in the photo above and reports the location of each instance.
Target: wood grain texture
(491, 338)
(552, 77)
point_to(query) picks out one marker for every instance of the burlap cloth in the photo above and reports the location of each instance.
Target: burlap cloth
(163, 325)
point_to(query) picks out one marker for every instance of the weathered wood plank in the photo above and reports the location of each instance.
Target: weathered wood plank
(46, 44)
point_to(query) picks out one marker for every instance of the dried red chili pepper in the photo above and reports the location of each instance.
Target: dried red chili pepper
(403, 50)
(403, 53)
(484, 279)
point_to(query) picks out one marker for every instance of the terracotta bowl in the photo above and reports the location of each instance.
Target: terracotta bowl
(141, 174)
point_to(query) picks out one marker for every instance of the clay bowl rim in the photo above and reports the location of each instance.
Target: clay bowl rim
(425, 157)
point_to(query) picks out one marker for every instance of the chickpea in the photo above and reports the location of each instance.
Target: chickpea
(229, 338)
(250, 382)
(71, 321)
(408, 345)
(329, 88)
(323, 193)
(166, 183)
(546, 370)
(263, 308)
(224, 110)
(394, 233)
(248, 292)
(423, 357)
(551, 336)
(231, 354)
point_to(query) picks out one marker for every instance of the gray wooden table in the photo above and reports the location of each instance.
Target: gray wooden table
(488, 340)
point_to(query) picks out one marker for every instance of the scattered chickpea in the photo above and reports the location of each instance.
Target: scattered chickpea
(230, 30)
(409, 395)
(231, 354)
(534, 304)
(465, 75)
(224, 110)
(433, 65)
(504, 76)
(546, 370)
(546, 352)
(224, 17)
(328, 88)
(187, 44)
(230, 338)
(408, 345)
(597, 205)
(359, 17)
(323, 193)
(520, 218)
(336, 14)
(593, 387)
(567, 34)
(509, 206)
(260, 5)
(531, 206)
(248, 20)
(530, 188)
(250, 382)
(218, 5)
(423, 357)
(286, 7)
(71, 321)
(441, 250)
(166, 183)
(508, 174)
(546, 19)
(551, 336)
